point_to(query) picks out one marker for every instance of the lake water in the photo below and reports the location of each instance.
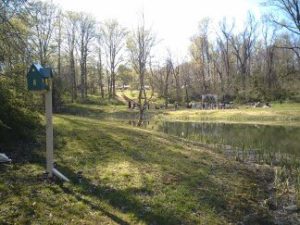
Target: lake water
(279, 139)
(273, 140)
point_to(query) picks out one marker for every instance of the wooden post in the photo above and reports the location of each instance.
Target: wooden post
(49, 132)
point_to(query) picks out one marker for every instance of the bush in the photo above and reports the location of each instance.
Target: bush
(17, 122)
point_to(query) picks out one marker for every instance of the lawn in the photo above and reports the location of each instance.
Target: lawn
(133, 94)
(126, 175)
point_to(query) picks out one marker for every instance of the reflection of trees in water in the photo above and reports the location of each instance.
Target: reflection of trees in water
(267, 138)
(134, 123)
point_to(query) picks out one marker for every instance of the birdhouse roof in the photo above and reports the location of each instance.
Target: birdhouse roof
(44, 72)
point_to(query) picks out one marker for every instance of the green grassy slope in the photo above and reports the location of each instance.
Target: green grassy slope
(129, 176)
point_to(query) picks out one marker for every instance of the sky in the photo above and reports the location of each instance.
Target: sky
(174, 22)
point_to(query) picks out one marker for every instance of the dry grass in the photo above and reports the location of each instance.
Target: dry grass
(286, 114)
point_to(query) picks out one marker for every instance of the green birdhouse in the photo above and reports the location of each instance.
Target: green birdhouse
(39, 78)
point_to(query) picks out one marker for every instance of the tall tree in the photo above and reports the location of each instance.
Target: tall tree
(140, 45)
(86, 34)
(243, 45)
(186, 80)
(8, 9)
(59, 40)
(43, 24)
(113, 36)
(199, 50)
(175, 71)
(72, 23)
(290, 9)
(168, 72)
(100, 63)
(224, 67)
(289, 19)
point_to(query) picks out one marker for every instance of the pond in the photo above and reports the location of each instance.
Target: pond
(276, 139)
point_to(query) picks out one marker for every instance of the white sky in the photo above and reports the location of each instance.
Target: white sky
(173, 21)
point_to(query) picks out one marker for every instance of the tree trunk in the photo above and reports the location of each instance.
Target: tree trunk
(113, 85)
(142, 95)
(85, 78)
(82, 84)
(187, 99)
(73, 77)
(59, 47)
(101, 80)
(166, 92)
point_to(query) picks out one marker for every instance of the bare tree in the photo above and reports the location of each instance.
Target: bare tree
(113, 38)
(86, 34)
(72, 20)
(174, 68)
(269, 55)
(8, 9)
(167, 70)
(186, 80)
(158, 75)
(243, 44)
(291, 12)
(100, 63)
(59, 40)
(200, 53)
(140, 45)
(289, 19)
(43, 18)
(223, 44)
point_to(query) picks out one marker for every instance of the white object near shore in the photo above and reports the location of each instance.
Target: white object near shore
(4, 158)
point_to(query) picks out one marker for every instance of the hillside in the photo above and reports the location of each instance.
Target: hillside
(126, 175)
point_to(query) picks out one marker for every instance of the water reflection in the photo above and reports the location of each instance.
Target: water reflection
(267, 138)
(134, 123)
(282, 139)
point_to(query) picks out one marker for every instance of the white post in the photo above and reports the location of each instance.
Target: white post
(60, 175)
(49, 132)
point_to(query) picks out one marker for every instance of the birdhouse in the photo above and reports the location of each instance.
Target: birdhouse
(39, 78)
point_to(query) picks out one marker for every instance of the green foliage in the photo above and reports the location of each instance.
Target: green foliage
(58, 93)
(126, 75)
(17, 121)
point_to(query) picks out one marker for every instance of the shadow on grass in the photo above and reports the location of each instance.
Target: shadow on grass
(123, 200)
(181, 179)
(95, 111)
(179, 171)
(92, 205)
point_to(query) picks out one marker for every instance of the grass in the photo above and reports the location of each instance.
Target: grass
(278, 114)
(133, 94)
(129, 176)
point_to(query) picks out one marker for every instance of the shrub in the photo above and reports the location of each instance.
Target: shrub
(17, 122)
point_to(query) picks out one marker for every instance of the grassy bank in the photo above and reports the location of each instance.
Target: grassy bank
(129, 176)
(278, 114)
